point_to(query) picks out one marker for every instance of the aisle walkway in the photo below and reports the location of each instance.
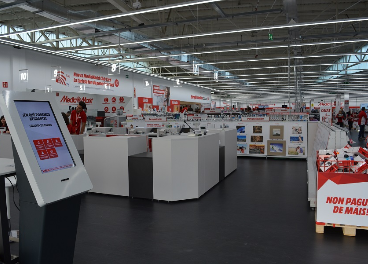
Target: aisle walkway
(259, 214)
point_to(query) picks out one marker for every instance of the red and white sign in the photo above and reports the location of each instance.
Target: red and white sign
(52, 153)
(5, 85)
(121, 99)
(342, 198)
(106, 109)
(39, 144)
(113, 100)
(43, 154)
(113, 109)
(174, 102)
(48, 143)
(57, 142)
(155, 119)
(196, 97)
(256, 119)
(75, 100)
(326, 114)
(157, 91)
(106, 100)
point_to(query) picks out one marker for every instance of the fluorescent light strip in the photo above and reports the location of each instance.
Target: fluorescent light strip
(268, 59)
(350, 20)
(244, 49)
(133, 13)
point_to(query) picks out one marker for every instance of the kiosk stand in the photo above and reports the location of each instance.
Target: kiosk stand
(48, 233)
(51, 178)
(5, 255)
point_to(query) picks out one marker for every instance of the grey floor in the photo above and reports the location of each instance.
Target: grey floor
(259, 214)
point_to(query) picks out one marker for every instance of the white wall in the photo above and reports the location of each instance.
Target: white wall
(39, 67)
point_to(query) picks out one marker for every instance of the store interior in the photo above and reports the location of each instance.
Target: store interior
(203, 131)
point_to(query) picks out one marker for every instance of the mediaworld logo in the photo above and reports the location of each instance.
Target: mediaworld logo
(75, 100)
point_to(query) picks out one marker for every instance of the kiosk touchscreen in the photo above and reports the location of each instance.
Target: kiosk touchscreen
(47, 152)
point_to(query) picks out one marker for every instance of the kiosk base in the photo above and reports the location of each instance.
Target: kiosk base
(48, 233)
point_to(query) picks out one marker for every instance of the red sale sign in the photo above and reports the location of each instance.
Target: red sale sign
(342, 198)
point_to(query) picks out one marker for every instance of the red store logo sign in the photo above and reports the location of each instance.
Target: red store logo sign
(75, 100)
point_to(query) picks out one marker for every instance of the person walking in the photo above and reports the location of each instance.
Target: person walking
(362, 121)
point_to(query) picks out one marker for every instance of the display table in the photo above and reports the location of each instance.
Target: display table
(6, 146)
(78, 142)
(106, 161)
(228, 140)
(184, 167)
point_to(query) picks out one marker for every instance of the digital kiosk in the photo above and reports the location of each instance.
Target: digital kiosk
(50, 175)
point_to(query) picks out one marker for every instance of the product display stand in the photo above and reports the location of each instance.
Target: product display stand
(48, 233)
(326, 137)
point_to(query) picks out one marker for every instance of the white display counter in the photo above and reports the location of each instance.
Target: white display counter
(184, 167)
(106, 161)
(227, 139)
(6, 146)
(78, 142)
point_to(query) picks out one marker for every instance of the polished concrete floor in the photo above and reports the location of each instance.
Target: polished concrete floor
(259, 214)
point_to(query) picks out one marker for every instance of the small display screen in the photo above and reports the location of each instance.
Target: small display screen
(44, 135)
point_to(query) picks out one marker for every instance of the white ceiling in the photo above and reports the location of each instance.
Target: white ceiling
(229, 37)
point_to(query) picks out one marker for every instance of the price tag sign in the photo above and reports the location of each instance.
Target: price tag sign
(55, 72)
(114, 69)
(23, 75)
(107, 86)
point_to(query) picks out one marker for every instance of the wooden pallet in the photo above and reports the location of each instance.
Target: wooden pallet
(348, 230)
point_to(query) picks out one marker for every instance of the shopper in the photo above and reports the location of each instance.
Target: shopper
(362, 121)
(3, 124)
(78, 119)
(66, 119)
(350, 120)
(340, 118)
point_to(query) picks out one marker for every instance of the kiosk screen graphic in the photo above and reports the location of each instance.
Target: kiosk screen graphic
(44, 135)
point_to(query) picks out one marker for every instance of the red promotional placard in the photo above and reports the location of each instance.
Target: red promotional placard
(52, 153)
(43, 154)
(39, 144)
(5, 85)
(57, 142)
(48, 143)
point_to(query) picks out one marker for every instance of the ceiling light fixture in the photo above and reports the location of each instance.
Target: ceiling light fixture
(350, 20)
(133, 13)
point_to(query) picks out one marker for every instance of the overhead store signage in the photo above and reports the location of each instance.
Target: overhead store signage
(91, 79)
(23, 75)
(75, 100)
(196, 97)
(256, 119)
(155, 119)
(174, 102)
